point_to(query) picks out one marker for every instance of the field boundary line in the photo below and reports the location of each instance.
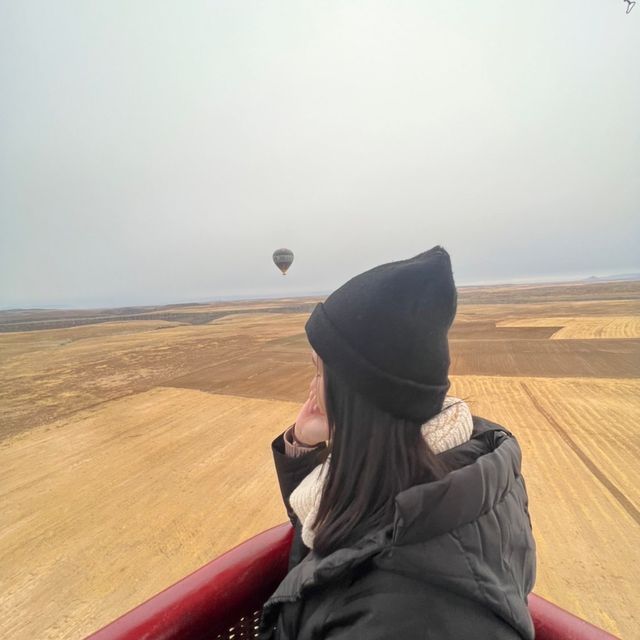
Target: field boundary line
(547, 378)
(622, 499)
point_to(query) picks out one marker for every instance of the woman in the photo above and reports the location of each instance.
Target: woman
(410, 514)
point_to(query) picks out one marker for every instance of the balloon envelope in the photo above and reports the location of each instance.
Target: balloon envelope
(283, 259)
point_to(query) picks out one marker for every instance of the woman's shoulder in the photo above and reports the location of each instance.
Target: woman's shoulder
(486, 437)
(482, 425)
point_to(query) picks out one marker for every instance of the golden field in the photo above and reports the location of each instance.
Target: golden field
(135, 444)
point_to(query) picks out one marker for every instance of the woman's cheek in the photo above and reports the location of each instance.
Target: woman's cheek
(320, 395)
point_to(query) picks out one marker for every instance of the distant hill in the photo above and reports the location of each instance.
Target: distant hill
(622, 276)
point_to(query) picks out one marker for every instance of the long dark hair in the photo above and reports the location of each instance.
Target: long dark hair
(374, 456)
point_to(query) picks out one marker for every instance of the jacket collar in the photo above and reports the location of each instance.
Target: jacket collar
(429, 510)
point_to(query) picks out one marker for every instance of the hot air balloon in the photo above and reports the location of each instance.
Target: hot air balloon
(283, 259)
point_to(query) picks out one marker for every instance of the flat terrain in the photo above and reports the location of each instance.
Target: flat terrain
(135, 443)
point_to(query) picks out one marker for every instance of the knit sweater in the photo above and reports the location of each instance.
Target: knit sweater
(449, 428)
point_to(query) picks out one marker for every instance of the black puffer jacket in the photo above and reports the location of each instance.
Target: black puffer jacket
(457, 562)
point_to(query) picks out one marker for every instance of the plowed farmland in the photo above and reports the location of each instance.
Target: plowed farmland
(133, 451)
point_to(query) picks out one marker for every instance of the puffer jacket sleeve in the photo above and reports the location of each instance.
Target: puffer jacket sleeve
(291, 471)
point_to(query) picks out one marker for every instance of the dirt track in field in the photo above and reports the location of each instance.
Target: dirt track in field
(133, 452)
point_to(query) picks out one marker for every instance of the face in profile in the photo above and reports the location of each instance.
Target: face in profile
(317, 384)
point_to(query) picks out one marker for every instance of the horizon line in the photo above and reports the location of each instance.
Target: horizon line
(557, 280)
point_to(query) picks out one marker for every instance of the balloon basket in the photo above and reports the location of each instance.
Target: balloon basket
(223, 599)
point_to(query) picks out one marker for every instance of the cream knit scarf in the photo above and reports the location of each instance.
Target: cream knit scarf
(448, 429)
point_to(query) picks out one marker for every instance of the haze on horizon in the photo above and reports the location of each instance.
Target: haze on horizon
(160, 152)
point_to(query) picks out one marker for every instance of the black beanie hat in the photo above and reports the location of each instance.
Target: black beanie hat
(385, 333)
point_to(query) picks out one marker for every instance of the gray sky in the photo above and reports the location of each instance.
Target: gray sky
(154, 152)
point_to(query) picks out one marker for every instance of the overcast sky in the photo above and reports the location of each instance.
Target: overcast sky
(155, 151)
